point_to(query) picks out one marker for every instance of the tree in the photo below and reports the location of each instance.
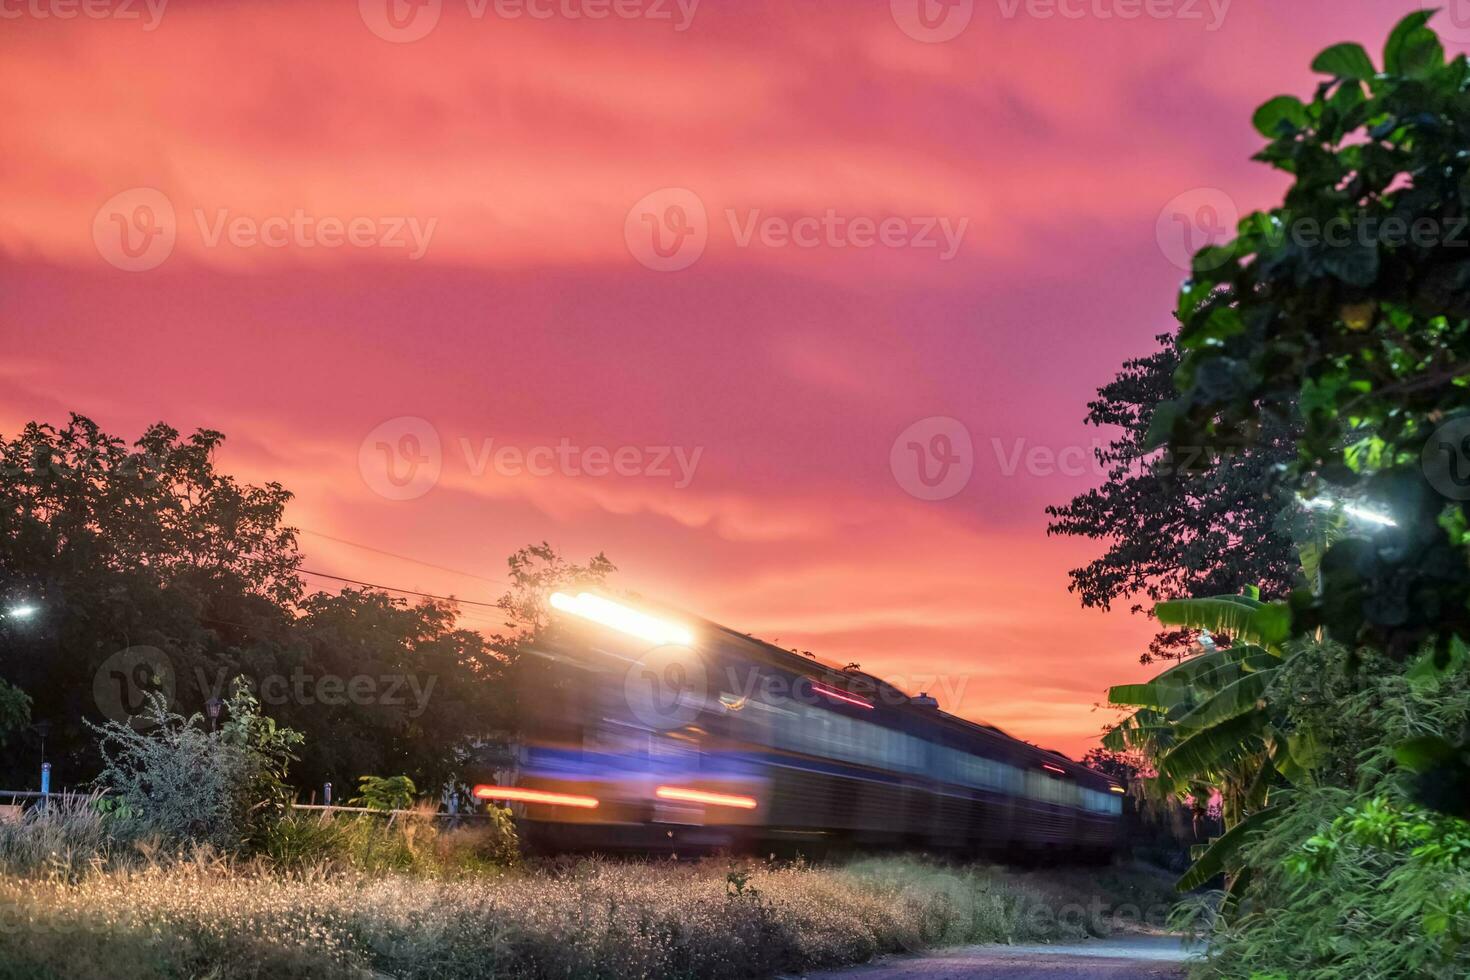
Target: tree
(1352, 301)
(15, 710)
(384, 686)
(122, 548)
(1204, 531)
(536, 571)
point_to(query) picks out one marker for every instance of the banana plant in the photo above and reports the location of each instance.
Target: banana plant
(1208, 724)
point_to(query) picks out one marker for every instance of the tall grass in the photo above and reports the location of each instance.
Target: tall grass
(564, 919)
(64, 837)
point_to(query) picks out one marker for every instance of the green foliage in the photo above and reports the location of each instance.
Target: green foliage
(384, 793)
(1346, 876)
(1169, 532)
(1207, 724)
(1349, 303)
(15, 710)
(176, 781)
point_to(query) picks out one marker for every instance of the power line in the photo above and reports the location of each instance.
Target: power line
(389, 588)
(394, 554)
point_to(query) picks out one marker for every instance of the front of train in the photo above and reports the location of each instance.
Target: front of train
(626, 737)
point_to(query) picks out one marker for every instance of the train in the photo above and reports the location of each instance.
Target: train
(643, 728)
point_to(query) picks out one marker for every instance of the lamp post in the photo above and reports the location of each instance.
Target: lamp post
(214, 706)
(42, 728)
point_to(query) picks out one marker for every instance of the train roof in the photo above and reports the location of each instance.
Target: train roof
(900, 701)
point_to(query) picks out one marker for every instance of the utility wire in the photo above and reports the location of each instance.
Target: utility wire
(389, 588)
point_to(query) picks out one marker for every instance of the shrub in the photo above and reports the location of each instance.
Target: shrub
(178, 782)
(384, 793)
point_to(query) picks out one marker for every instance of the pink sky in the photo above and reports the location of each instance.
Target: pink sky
(525, 312)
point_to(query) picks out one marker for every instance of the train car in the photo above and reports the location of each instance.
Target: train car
(643, 728)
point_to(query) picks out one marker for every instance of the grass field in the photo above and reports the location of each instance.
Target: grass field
(566, 919)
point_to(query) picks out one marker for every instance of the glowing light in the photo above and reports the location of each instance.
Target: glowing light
(621, 618)
(517, 794)
(1051, 768)
(20, 612)
(700, 796)
(841, 695)
(1352, 510)
(1116, 789)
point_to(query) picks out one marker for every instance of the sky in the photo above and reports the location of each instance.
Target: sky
(791, 309)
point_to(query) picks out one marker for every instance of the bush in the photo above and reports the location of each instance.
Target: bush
(178, 782)
(1344, 882)
(384, 793)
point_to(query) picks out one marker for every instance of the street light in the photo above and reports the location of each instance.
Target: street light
(22, 611)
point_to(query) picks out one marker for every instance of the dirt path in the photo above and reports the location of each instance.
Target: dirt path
(1143, 957)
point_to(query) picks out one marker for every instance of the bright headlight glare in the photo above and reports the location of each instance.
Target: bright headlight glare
(622, 618)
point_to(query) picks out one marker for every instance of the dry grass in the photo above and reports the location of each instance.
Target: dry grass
(567, 919)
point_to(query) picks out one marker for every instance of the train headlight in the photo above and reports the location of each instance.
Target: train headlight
(624, 619)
